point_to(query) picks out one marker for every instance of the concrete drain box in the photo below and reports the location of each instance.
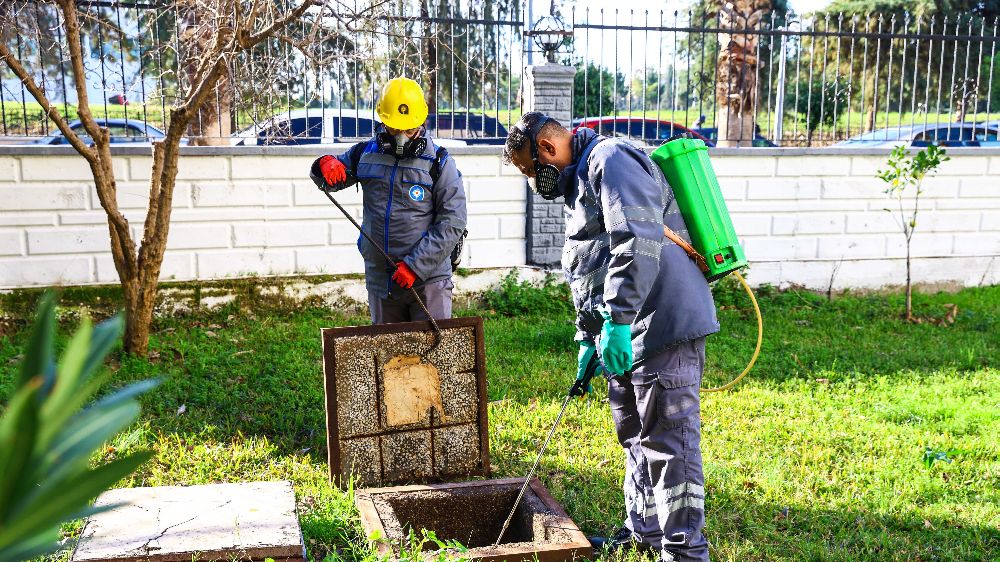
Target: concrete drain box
(473, 513)
(395, 417)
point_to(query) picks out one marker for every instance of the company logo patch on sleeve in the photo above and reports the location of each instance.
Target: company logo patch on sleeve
(418, 192)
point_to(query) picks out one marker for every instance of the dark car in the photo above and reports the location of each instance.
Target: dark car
(941, 134)
(712, 134)
(131, 131)
(473, 128)
(650, 131)
(310, 126)
(332, 126)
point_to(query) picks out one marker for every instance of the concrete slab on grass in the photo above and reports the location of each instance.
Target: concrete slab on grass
(242, 521)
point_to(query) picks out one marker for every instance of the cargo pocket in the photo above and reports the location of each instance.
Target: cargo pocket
(677, 395)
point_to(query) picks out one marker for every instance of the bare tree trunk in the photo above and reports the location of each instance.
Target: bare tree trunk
(213, 125)
(736, 78)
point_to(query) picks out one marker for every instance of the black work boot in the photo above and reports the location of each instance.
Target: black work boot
(622, 539)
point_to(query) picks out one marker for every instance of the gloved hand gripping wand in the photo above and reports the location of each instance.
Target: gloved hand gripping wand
(437, 330)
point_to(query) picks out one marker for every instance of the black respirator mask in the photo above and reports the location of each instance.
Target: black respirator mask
(546, 180)
(400, 145)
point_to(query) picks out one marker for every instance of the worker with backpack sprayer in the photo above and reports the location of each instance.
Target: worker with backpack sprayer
(643, 307)
(414, 209)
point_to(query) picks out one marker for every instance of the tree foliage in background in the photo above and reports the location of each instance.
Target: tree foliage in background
(916, 8)
(821, 103)
(594, 89)
(47, 437)
(946, 79)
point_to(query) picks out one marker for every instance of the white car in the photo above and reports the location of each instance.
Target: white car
(317, 126)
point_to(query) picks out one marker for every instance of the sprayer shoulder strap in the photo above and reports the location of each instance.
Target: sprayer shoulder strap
(439, 157)
(688, 248)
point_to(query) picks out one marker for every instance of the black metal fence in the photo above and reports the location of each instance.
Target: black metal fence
(469, 62)
(809, 82)
(814, 82)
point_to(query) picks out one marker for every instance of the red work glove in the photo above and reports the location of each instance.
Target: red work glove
(404, 276)
(333, 170)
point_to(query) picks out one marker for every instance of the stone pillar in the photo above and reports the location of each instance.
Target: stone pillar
(547, 88)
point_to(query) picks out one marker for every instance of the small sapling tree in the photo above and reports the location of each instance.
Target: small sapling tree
(905, 175)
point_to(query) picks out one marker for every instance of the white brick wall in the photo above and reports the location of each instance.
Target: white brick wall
(821, 217)
(804, 217)
(233, 215)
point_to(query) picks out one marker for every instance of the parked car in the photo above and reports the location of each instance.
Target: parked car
(653, 132)
(332, 126)
(309, 126)
(132, 132)
(712, 134)
(942, 134)
(473, 128)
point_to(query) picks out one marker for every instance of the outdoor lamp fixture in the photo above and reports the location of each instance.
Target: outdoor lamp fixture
(549, 33)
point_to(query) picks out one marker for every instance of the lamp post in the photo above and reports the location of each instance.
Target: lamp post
(549, 33)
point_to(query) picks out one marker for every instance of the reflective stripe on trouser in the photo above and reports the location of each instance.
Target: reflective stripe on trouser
(657, 418)
(400, 306)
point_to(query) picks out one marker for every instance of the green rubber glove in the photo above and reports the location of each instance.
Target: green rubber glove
(587, 351)
(616, 345)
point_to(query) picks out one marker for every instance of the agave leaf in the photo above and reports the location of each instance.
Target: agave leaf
(50, 508)
(105, 335)
(39, 356)
(71, 449)
(32, 546)
(17, 437)
(57, 419)
(70, 367)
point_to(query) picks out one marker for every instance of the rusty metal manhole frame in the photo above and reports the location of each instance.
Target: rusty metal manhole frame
(578, 547)
(330, 335)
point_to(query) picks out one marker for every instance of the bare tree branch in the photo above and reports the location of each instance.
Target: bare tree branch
(249, 41)
(50, 110)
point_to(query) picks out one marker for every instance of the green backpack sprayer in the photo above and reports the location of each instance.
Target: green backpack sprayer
(714, 245)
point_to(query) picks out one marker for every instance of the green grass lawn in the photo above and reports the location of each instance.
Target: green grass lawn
(818, 455)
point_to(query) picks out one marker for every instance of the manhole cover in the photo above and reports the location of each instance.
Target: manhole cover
(393, 416)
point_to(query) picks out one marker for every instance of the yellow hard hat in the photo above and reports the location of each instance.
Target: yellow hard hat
(402, 105)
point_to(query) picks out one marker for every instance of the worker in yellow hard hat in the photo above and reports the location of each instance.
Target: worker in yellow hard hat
(414, 206)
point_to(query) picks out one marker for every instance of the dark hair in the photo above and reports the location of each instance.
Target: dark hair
(518, 139)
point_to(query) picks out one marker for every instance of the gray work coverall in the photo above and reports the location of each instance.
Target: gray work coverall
(617, 257)
(415, 220)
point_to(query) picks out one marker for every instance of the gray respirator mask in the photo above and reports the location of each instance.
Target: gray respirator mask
(546, 180)
(401, 145)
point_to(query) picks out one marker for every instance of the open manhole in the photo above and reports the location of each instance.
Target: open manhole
(472, 513)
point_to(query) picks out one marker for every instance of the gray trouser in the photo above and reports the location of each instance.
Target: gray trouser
(657, 418)
(400, 306)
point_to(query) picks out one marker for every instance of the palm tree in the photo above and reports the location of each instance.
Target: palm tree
(736, 78)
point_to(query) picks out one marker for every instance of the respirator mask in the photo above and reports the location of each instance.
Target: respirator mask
(546, 180)
(401, 145)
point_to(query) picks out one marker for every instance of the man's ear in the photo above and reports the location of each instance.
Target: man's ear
(546, 146)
